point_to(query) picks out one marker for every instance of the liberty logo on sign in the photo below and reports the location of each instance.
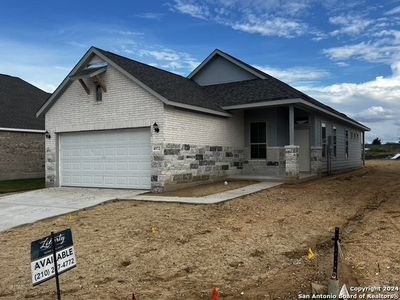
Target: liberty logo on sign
(47, 242)
(59, 248)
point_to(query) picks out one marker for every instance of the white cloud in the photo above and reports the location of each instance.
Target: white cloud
(299, 75)
(176, 61)
(349, 25)
(381, 90)
(192, 8)
(375, 114)
(394, 11)
(272, 27)
(266, 18)
(384, 50)
(151, 15)
(342, 64)
(376, 103)
(361, 50)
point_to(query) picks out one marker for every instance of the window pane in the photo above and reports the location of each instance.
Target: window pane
(261, 132)
(254, 151)
(258, 132)
(323, 132)
(258, 151)
(253, 132)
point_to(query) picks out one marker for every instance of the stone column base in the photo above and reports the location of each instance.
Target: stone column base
(292, 169)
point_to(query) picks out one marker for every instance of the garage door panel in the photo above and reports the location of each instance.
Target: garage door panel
(113, 158)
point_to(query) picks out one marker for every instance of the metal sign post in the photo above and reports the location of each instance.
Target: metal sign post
(55, 266)
(333, 283)
(336, 239)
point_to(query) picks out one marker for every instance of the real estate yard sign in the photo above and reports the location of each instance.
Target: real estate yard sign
(58, 246)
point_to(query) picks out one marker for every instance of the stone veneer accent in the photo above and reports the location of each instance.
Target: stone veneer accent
(174, 165)
(21, 155)
(316, 160)
(274, 165)
(292, 162)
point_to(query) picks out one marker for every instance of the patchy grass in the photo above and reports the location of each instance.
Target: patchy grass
(10, 186)
(381, 151)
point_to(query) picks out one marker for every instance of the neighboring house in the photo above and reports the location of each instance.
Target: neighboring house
(21, 133)
(118, 123)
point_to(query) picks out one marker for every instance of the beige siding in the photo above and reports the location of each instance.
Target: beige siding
(341, 162)
(183, 126)
(220, 70)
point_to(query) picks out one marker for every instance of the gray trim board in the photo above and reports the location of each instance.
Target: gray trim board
(229, 58)
(293, 101)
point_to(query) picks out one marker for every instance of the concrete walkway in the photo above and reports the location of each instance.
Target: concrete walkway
(211, 199)
(28, 207)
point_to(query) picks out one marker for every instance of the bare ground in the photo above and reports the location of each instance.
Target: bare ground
(206, 189)
(251, 248)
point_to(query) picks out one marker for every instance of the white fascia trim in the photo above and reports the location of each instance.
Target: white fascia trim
(22, 130)
(237, 63)
(293, 101)
(262, 104)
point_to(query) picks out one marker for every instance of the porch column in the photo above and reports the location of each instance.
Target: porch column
(291, 125)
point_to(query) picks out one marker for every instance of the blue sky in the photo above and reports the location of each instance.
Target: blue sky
(344, 53)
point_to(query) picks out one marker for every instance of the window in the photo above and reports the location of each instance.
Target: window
(334, 141)
(323, 139)
(346, 134)
(99, 94)
(258, 140)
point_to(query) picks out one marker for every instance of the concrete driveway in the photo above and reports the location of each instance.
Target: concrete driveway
(28, 207)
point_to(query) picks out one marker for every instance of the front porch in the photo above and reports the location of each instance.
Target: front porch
(281, 143)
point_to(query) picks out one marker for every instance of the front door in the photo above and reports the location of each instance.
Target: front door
(302, 139)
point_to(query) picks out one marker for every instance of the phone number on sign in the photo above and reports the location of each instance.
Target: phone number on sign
(50, 271)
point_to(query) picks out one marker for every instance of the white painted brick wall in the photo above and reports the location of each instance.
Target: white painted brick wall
(188, 127)
(124, 105)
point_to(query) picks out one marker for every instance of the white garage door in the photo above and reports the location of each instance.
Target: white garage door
(110, 159)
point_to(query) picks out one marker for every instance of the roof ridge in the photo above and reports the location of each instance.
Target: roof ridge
(24, 82)
(141, 63)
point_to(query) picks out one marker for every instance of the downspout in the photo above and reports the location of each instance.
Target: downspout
(363, 148)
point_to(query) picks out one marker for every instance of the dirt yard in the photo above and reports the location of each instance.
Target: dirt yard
(207, 189)
(250, 248)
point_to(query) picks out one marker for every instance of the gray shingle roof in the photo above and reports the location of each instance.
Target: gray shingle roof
(19, 102)
(183, 90)
(169, 85)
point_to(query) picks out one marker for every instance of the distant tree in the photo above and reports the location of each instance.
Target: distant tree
(376, 141)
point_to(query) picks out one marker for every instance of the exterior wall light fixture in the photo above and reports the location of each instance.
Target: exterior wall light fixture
(156, 128)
